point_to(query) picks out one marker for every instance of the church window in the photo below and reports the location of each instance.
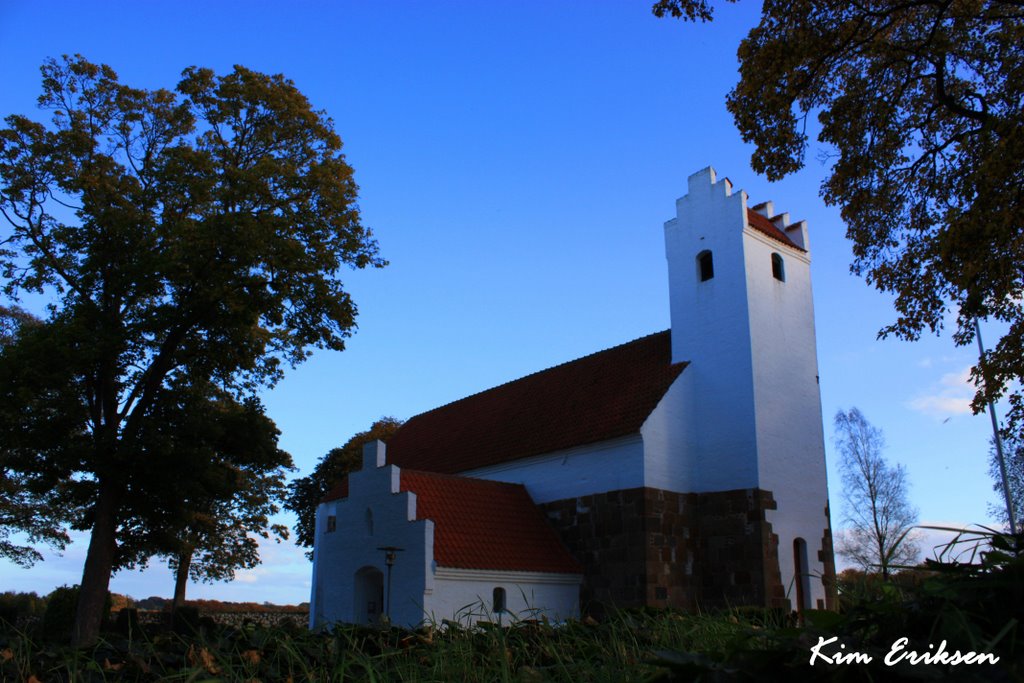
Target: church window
(332, 523)
(498, 600)
(705, 266)
(369, 521)
(778, 268)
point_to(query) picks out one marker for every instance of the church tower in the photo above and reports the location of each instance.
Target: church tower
(749, 407)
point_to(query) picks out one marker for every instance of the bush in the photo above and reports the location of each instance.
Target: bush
(15, 608)
(59, 616)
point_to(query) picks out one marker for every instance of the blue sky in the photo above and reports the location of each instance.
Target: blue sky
(516, 162)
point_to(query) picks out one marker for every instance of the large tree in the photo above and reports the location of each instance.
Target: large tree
(879, 518)
(194, 233)
(305, 493)
(921, 114)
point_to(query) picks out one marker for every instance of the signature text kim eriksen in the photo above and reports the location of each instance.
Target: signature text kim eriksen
(898, 653)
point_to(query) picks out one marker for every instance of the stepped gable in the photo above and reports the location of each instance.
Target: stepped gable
(602, 396)
(481, 524)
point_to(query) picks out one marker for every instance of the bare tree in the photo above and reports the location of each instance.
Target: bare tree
(879, 519)
(1013, 449)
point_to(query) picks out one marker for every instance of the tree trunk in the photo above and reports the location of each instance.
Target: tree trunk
(99, 562)
(181, 576)
(883, 559)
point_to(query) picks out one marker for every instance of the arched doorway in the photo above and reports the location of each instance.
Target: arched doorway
(368, 595)
(802, 575)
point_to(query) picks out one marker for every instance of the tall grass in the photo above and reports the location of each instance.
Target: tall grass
(976, 606)
(620, 648)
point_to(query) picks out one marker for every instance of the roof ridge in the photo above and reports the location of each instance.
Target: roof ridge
(460, 477)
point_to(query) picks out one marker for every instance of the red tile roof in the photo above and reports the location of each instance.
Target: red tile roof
(481, 524)
(601, 396)
(764, 225)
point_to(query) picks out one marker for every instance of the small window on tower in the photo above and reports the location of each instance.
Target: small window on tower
(332, 524)
(498, 600)
(369, 521)
(778, 268)
(705, 266)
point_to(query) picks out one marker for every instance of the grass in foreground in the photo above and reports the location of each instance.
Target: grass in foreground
(638, 645)
(973, 607)
(624, 647)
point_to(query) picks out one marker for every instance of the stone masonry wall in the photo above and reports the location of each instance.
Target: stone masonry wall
(827, 558)
(647, 546)
(605, 533)
(673, 549)
(739, 551)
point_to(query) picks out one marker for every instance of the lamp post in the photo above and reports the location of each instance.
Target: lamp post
(389, 562)
(995, 435)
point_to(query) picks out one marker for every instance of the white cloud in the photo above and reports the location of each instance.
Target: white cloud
(941, 406)
(247, 576)
(958, 380)
(951, 395)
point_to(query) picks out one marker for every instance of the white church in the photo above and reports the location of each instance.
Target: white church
(683, 469)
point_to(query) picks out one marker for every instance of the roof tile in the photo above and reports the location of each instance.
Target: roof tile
(481, 524)
(602, 396)
(765, 226)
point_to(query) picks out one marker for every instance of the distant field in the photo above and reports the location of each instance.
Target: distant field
(239, 617)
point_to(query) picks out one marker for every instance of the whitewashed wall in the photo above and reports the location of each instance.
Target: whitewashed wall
(790, 437)
(610, 465)
(670, 440)
(709, 417)
(465, 595)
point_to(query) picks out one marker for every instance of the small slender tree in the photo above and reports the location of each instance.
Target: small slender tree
(219, 482)
(1013, 451)
(879, 518)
